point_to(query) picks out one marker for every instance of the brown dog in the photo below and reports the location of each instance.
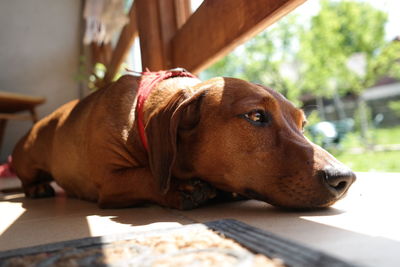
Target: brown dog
(231, 134)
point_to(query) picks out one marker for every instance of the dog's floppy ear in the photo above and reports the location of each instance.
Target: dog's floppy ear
(181, 112)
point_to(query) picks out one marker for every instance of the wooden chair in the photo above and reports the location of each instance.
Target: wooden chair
(11, 107)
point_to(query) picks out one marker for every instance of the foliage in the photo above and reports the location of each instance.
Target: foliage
(380, 136)
(371, 161)
(395, 107)
(90, 78)
(386, 136)
(99, 70)
(340, 30)
(362, 114)
(313, 118)
(262, 59)
(385, 63)
(295, 57)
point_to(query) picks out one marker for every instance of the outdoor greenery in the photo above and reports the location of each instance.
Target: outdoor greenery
(365, 160)
(383, 136)
(340, 50)
(296, 56)
(353, 151)
(395, 106)
(387, 161)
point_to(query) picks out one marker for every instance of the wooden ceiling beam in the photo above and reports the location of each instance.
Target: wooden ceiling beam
(182, 12)
(217, 27)
(152, 45)
(100, 53)
(170, 37)
(158, 22)
(125, 41)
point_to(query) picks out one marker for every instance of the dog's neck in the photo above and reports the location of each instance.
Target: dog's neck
(160, 81)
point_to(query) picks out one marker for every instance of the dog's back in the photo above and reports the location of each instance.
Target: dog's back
(60, 145)
(33, 155)
(39, 139)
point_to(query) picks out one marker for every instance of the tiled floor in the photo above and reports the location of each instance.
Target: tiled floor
(363, 228)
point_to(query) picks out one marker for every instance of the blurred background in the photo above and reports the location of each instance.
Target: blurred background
(340, 62)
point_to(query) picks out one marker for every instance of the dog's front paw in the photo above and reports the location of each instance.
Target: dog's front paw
(195, 193)
(190, 194)
(39, 191)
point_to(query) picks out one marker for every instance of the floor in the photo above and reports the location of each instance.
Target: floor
(363, 228)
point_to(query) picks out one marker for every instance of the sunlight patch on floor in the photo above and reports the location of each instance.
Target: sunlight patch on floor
(104, 225)
(10, 214)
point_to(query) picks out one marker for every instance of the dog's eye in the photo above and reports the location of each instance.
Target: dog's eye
(257, 117)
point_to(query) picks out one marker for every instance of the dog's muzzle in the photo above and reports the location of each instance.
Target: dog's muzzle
(337, 180)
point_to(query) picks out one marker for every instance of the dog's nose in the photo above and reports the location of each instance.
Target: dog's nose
(338, 180)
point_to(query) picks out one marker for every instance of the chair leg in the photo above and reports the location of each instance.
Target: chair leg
(34, 115)
(3, 123)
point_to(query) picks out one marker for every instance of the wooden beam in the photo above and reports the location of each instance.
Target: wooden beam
(12, 116)
(12, 102)
(101, 53)
(182, 12)
(168, 28)
(217, 27)
(125, 41)
(94, 54)
(3, 123)
(151, 47)
(157, 25)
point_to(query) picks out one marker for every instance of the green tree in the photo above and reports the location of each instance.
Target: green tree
(340, 30)
(263, 58)
(295, 57)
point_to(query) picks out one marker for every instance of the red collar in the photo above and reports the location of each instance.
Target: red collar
(147, 83)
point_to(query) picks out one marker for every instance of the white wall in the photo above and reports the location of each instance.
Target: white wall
(39, 55)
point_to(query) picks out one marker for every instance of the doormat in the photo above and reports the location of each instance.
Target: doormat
(217, 243)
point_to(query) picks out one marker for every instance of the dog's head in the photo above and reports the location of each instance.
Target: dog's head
(244, 138)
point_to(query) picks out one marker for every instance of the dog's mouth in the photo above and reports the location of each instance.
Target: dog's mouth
(291, 199)
(250, 193)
